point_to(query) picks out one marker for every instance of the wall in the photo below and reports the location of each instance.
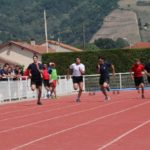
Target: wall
(17, 55)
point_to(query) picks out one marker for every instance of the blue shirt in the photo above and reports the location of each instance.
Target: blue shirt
(104, 70)
(49, 70)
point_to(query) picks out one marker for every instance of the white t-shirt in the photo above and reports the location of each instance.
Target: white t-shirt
(76, 69)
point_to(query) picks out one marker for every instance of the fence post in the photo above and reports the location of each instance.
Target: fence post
(9, 89)
(26, 87)
(19, 88)
(84, 83)
(120, 80)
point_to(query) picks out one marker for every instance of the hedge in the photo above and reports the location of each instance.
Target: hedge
(122, 59)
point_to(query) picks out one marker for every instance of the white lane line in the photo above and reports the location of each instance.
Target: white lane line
(123, 135)
(5, 113)
(14, 111)
(77, 126)
(58, 117)
(33, 114)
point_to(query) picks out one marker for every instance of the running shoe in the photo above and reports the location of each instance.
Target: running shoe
(78, 100)
(39, 103)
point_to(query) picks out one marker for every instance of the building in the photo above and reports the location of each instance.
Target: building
(21, 53)
(61, 47)
(140, 45)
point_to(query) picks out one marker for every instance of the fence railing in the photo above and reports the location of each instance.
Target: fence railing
(18, 90)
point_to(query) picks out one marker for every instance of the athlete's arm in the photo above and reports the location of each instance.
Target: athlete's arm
(39, 67)
(68, 73)
(113, 69)
(98, 68)
(145, 71)
(131, 75)
(82, 70)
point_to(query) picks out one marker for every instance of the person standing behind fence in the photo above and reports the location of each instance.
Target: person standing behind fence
(103, 70)
(53, 79)
(4, 72)
(36, 79)
(78, 70)
(137, 69)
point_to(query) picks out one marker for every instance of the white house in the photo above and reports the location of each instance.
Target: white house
(21, 53)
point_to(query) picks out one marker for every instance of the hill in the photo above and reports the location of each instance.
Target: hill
(23, 20)
(119, 24)
(130, 21)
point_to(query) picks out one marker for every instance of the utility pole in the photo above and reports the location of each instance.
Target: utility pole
(83, 35)
(46, 37)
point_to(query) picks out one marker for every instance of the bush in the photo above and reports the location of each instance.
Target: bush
(122, 59)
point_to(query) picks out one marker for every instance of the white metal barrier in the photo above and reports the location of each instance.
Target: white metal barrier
(20, 89)
(17, 90)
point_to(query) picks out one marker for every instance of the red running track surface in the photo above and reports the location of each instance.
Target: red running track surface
(123, 123)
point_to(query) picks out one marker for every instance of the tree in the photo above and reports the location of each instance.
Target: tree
(105, 43)
(111, 44)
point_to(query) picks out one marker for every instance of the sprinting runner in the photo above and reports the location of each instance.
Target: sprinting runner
(147, 70)
(78, 70)
(137, 68)
(53, 80)
(103, 70)
(36, 80)
(46, 79)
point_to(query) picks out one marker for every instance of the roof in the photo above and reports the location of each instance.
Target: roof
(34, 48)
(40, 49)
(66, 46)
(140, 45)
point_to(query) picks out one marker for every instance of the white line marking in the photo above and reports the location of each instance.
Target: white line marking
(57, 117)
(20, 111)
(77, 126)
(32, 114)
(123, 135)
(10, 112)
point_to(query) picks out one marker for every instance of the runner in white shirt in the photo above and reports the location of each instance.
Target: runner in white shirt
(77, 69)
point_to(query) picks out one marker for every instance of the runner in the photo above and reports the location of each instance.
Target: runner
(147, 70)
(103, 69)
(36, 80)
(46, 80)
(137, 68)
(78, 70)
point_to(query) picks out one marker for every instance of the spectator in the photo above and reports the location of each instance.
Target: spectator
(4, 72)
(11, 74)
(18, 72)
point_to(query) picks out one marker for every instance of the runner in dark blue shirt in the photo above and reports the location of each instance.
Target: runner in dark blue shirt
(103, 70)
(36, 80)
(147, 70)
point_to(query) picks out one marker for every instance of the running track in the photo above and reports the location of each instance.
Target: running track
(120, 124)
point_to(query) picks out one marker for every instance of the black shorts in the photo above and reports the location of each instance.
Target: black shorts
(77, 79)
(36, 82)
(46, 83)
(138, 80)
(102, 80)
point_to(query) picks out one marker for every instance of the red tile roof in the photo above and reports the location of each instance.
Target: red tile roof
(140, 45)
(40, 49)
(34, 48)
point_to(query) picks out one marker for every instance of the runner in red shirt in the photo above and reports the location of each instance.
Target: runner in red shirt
(137, 69)
(46, 79)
